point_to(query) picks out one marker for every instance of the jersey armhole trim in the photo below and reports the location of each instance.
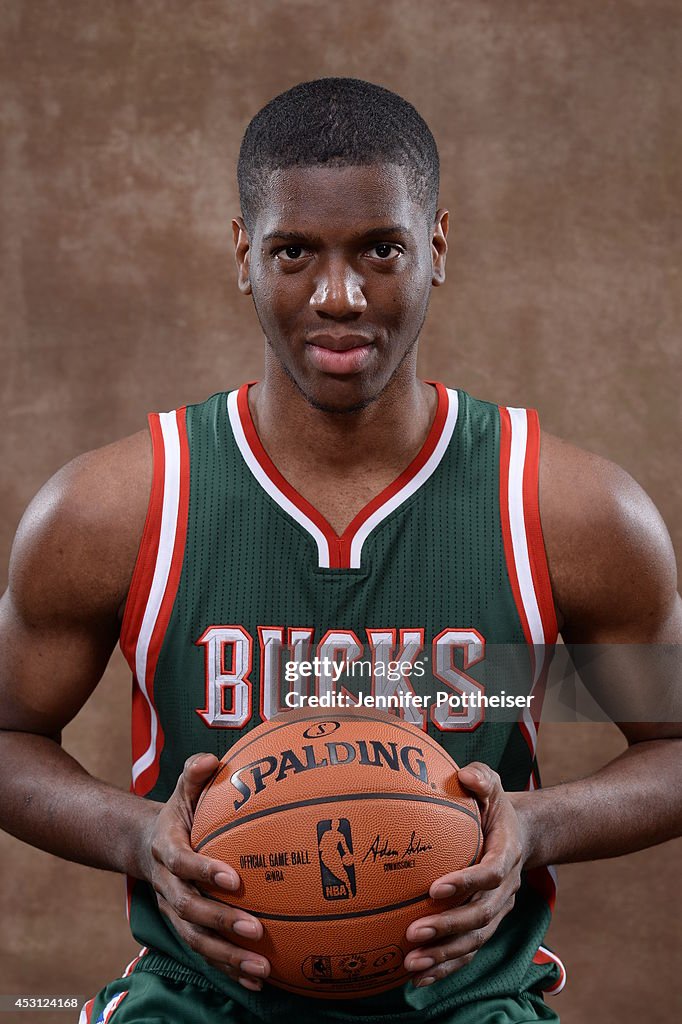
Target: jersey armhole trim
(143, 572)
(159, 590)
(524, 546)
(536, 541)
(528, 577)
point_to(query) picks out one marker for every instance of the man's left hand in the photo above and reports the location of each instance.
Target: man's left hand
(451, 939)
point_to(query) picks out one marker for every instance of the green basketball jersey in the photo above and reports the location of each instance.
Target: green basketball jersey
(238, 574)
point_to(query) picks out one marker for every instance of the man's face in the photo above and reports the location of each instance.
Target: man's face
(340, 263)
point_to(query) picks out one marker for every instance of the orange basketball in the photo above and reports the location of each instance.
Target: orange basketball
(337, 823)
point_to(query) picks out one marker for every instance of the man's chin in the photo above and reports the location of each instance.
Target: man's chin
(339, 409)
(338, 397)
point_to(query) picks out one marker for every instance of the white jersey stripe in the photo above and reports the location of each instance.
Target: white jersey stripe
(270, 487)
(411, 486)
(517, 460)
(169, 520)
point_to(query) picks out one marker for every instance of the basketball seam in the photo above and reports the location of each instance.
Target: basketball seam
(332, 799)
(370, 912)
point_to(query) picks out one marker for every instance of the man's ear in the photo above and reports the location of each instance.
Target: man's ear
(242, 248)
(439, 246)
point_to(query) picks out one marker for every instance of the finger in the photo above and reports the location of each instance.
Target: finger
(191, 906)
(426, 959)
(255, 983)
(196, 772)
(502, 854)
(172, 850)
(457, 921)
(252, 984)
(489, 874)
(210, 945)
(480, 779)
(428, 977)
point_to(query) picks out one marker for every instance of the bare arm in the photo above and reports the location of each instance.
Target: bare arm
(614, 582)
(70, 572)
(59, 620)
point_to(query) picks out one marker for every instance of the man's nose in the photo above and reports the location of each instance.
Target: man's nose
(338, 290)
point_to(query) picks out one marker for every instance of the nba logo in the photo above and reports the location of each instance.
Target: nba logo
(337, 864)
(322, 967)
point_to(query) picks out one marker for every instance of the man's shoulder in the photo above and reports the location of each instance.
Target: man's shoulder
(608, 548)
(586, 491)
(81, 532)
(100, 487)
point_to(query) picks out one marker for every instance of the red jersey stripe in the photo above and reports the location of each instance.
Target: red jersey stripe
(143, 573)
(505, 459)
(535, 540)
(147, 779)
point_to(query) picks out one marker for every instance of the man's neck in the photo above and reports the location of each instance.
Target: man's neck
(340, 462)
(384, 436)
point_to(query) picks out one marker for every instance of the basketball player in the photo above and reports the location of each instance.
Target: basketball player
(339, 493)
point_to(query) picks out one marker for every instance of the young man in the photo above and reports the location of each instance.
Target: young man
(341, 493)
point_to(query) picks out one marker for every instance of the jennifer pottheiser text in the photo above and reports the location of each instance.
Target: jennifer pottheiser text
(404, 700)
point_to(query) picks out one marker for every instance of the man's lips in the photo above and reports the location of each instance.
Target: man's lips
(339, 354)
(338, 342)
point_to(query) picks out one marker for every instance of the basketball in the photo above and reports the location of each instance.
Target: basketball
(337, 823)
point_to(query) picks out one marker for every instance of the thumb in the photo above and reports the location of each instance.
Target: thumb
(480, 779)
(197, 771)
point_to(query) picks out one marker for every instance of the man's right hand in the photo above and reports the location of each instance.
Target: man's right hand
(174, 869)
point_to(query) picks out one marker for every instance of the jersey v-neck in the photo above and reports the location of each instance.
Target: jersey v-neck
(342, 551)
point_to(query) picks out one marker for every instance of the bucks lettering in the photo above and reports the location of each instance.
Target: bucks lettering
(229, 667)
(254, 777)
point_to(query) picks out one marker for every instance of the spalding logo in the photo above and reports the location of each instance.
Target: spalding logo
(313, 732)
(252, 778)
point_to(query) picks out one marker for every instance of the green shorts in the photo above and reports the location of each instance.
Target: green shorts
(157, 990)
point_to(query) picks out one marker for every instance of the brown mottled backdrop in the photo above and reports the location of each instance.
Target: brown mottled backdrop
(559, 129)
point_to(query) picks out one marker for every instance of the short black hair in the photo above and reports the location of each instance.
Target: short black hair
(337, 122)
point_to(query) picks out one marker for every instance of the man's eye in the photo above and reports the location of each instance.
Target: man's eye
(386, 251)
(290, 253)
